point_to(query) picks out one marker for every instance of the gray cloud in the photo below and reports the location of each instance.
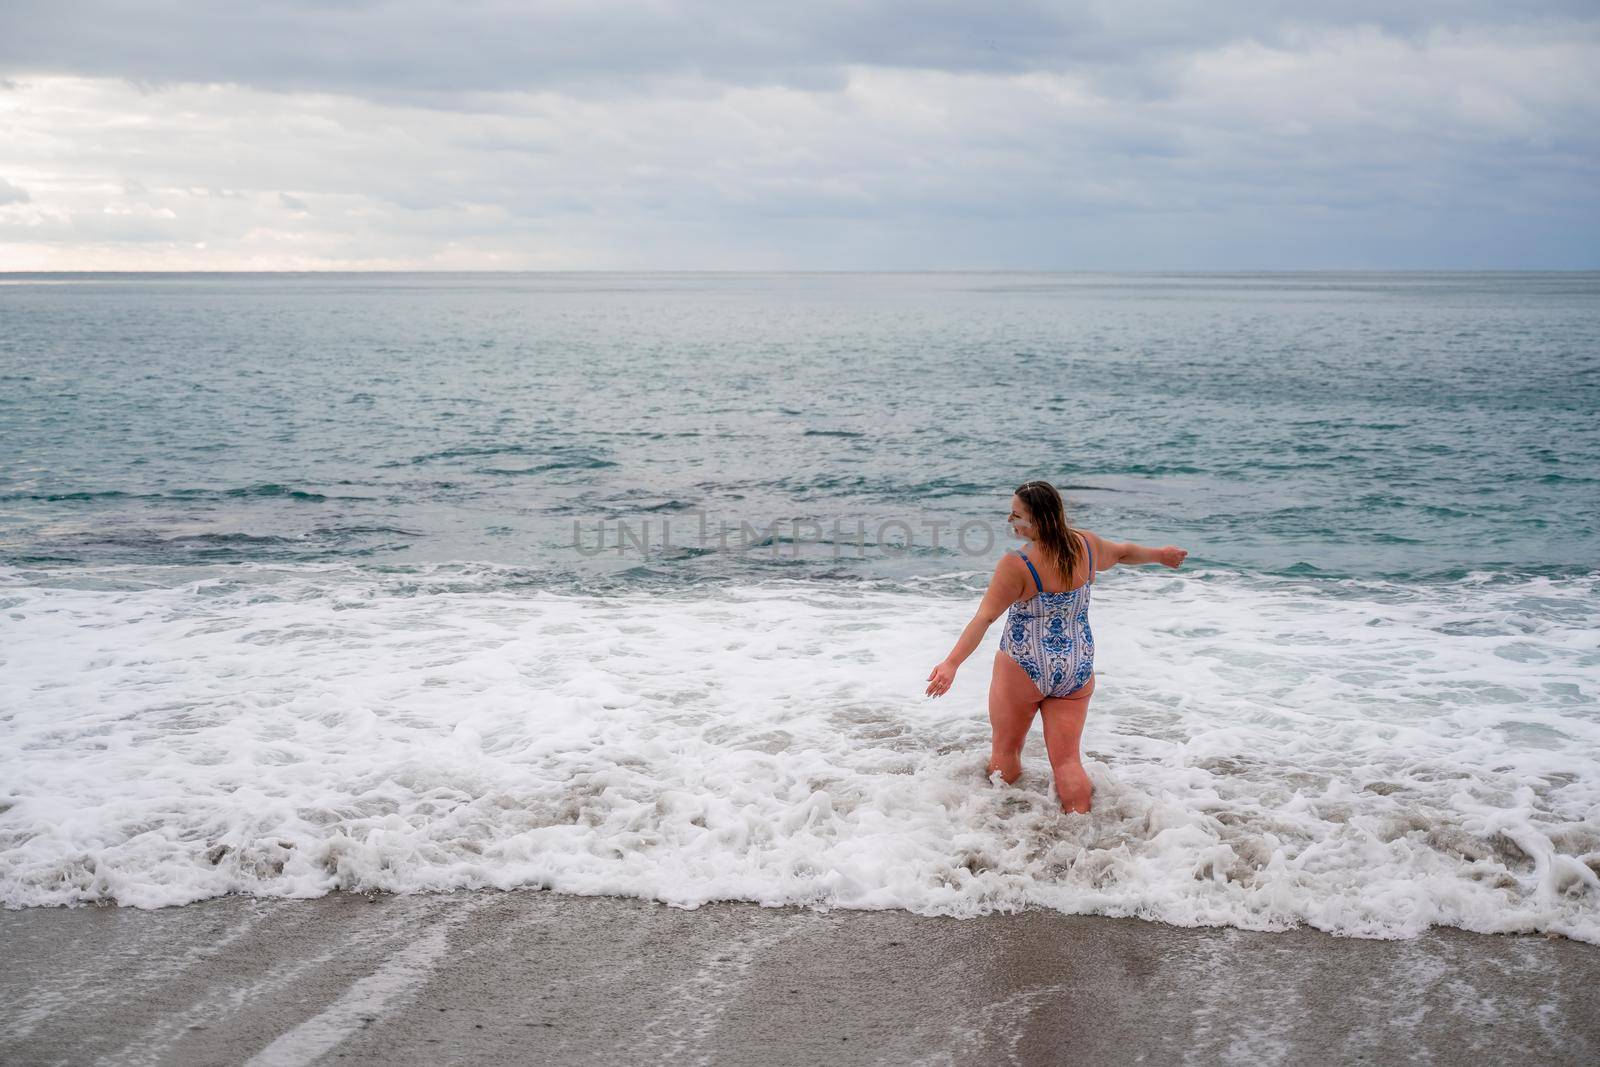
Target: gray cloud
(1083, 136)
(11, 194)
(602, 48)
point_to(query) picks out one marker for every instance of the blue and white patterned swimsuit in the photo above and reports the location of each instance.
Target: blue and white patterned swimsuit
(1048, 635)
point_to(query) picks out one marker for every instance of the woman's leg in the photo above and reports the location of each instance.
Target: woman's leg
(1063, 728)
(1013, 701)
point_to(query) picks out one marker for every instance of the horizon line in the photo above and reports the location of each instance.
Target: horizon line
(747, 270)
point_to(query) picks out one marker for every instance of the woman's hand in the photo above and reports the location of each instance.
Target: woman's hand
(1171, 556)
(941, 678)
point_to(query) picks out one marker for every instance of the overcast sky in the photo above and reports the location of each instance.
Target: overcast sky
(590, 134)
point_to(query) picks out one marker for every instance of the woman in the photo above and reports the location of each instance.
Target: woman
(1046, 656)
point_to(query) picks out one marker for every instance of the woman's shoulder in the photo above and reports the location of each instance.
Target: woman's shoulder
(1012, 569)
(1099, 548)
(1027, 553)
(1019, 561)
(1088, 536)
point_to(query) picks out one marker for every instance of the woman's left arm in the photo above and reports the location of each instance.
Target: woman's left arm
(1005, 586)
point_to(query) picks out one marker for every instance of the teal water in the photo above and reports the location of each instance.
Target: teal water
(1402, 425)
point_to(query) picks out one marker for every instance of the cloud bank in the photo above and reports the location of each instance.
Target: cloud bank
(737, 136)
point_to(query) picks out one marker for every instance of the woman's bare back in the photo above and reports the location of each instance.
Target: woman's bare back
(1050, 576)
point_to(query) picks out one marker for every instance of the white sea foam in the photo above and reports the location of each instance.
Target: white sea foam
(1367, 758)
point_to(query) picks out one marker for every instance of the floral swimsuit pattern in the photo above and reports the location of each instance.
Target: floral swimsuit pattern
(1048, 635)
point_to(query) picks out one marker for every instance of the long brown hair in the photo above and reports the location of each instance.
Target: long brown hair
(1050, 529)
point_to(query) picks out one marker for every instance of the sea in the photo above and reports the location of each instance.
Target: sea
(630, 584)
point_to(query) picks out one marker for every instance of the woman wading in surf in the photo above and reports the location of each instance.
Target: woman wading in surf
(1045, 662)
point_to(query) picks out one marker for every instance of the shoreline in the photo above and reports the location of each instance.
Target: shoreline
(529, 975)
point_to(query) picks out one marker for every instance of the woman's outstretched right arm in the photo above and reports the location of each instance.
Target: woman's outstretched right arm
(1110, 553)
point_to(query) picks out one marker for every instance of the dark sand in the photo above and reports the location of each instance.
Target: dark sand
(533, 977)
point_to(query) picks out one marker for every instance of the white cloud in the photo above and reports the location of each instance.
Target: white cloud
(1328, 147)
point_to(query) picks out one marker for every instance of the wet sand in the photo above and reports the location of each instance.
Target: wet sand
(534, 977)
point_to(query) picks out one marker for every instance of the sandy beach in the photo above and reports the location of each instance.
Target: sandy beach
(531, 976)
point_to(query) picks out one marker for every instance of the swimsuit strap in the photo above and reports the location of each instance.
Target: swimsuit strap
(1035, 573)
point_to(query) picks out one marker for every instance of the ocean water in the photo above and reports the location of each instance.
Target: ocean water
(630, 584)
